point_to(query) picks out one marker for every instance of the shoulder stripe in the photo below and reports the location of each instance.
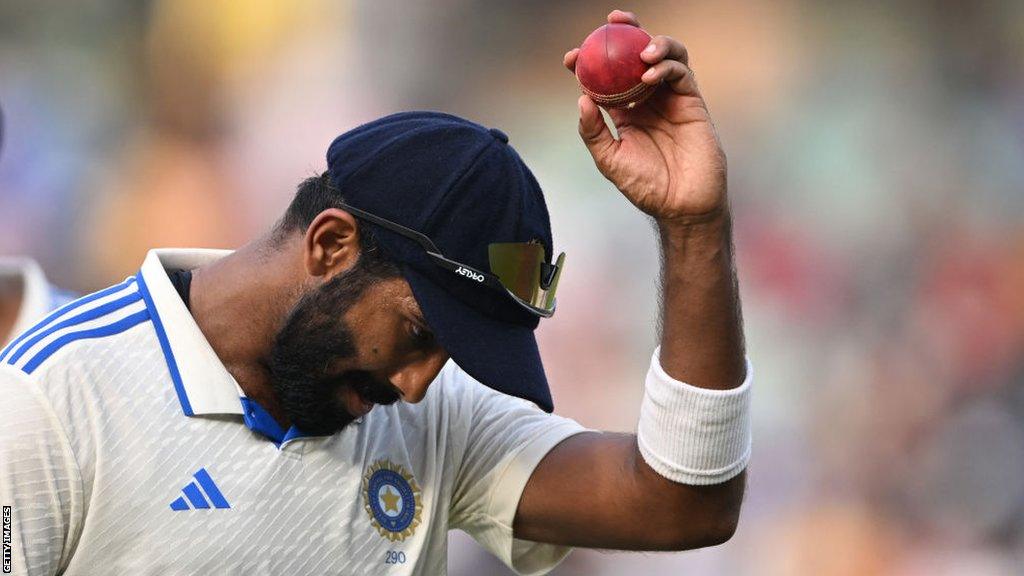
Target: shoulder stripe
(165, 345)
(109, 330)
(64, 310)
(96, 312)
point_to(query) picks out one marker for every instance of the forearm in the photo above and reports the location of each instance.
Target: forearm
(691, 495)
(697, 441)
(701, 322)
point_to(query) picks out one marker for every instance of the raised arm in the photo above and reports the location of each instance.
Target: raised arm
(598, 489)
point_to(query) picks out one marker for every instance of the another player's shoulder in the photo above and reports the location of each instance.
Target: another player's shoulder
(79, 332)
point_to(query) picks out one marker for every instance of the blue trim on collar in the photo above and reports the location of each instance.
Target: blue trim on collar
(260, 421)
(165, 345)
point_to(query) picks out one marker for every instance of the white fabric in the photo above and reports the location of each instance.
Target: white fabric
(95, 448)
(209, 386)
(693, 435)
(36, 299)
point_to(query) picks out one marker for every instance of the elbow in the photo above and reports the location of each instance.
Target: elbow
(712, 533)
(720, 533)
(715, 521)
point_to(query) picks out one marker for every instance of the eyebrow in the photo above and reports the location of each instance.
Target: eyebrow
(423, 321)
(417, 316)
(412, 308)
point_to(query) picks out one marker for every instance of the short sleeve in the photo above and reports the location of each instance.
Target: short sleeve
(40, 488)
(506, 438)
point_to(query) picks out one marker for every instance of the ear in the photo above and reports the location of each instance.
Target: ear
(331, 244)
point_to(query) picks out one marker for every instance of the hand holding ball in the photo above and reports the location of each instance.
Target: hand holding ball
(609, 66)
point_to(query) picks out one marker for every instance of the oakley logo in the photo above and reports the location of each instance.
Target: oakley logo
(469, 274)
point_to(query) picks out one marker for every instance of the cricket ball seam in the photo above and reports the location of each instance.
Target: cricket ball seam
(631, 96)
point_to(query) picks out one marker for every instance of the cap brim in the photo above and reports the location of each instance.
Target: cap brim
(501, 355)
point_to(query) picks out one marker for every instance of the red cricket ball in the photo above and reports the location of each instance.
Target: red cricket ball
(609, 66)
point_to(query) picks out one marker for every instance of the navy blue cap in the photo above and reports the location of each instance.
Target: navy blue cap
(464, 187)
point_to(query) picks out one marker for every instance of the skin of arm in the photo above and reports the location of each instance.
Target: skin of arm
(669, 163)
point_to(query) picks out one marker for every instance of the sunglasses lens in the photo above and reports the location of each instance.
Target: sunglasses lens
(519, 267)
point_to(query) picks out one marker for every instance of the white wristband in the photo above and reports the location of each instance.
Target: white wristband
(694, 435)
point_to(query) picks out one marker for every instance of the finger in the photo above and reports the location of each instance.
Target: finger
(620, 117)
(594, 132)
(665, 48)
(569, 60)
(623, 17)
(675, 74)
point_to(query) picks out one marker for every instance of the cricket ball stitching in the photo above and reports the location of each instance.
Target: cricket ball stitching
(628, 98)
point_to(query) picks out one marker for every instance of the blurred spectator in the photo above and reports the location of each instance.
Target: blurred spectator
(25, 296)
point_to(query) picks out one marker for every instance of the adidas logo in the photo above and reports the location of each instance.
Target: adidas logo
(194, 496)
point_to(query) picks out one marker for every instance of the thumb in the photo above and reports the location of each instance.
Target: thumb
(594, 132)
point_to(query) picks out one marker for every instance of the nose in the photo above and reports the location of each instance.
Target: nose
(415, 377)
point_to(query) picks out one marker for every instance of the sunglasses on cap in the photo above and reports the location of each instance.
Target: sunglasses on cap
(519, 269)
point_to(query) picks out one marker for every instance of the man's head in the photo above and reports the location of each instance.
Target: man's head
(408, 245)
(356, 337)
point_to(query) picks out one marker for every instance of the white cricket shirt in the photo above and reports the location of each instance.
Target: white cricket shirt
(125, 449)
(38, 295)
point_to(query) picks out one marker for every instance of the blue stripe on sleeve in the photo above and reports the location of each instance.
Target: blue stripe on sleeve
(64, 310)
(109, 330)
(96, 312)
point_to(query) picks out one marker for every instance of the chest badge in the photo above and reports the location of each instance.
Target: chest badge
(392, 499)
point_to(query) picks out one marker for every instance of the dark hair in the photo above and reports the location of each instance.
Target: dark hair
(318, 193)
(314, 195)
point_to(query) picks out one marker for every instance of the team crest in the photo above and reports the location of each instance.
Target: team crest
(392, 499)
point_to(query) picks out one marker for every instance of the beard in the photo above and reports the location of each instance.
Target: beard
(315, 337)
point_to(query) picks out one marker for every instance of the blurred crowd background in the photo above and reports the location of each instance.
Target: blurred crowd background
(876, 154)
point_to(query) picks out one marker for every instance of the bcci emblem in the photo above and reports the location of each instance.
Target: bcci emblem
(392, 499)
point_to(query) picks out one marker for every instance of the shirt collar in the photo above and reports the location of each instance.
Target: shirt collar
(35, 299)
(202, 382)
